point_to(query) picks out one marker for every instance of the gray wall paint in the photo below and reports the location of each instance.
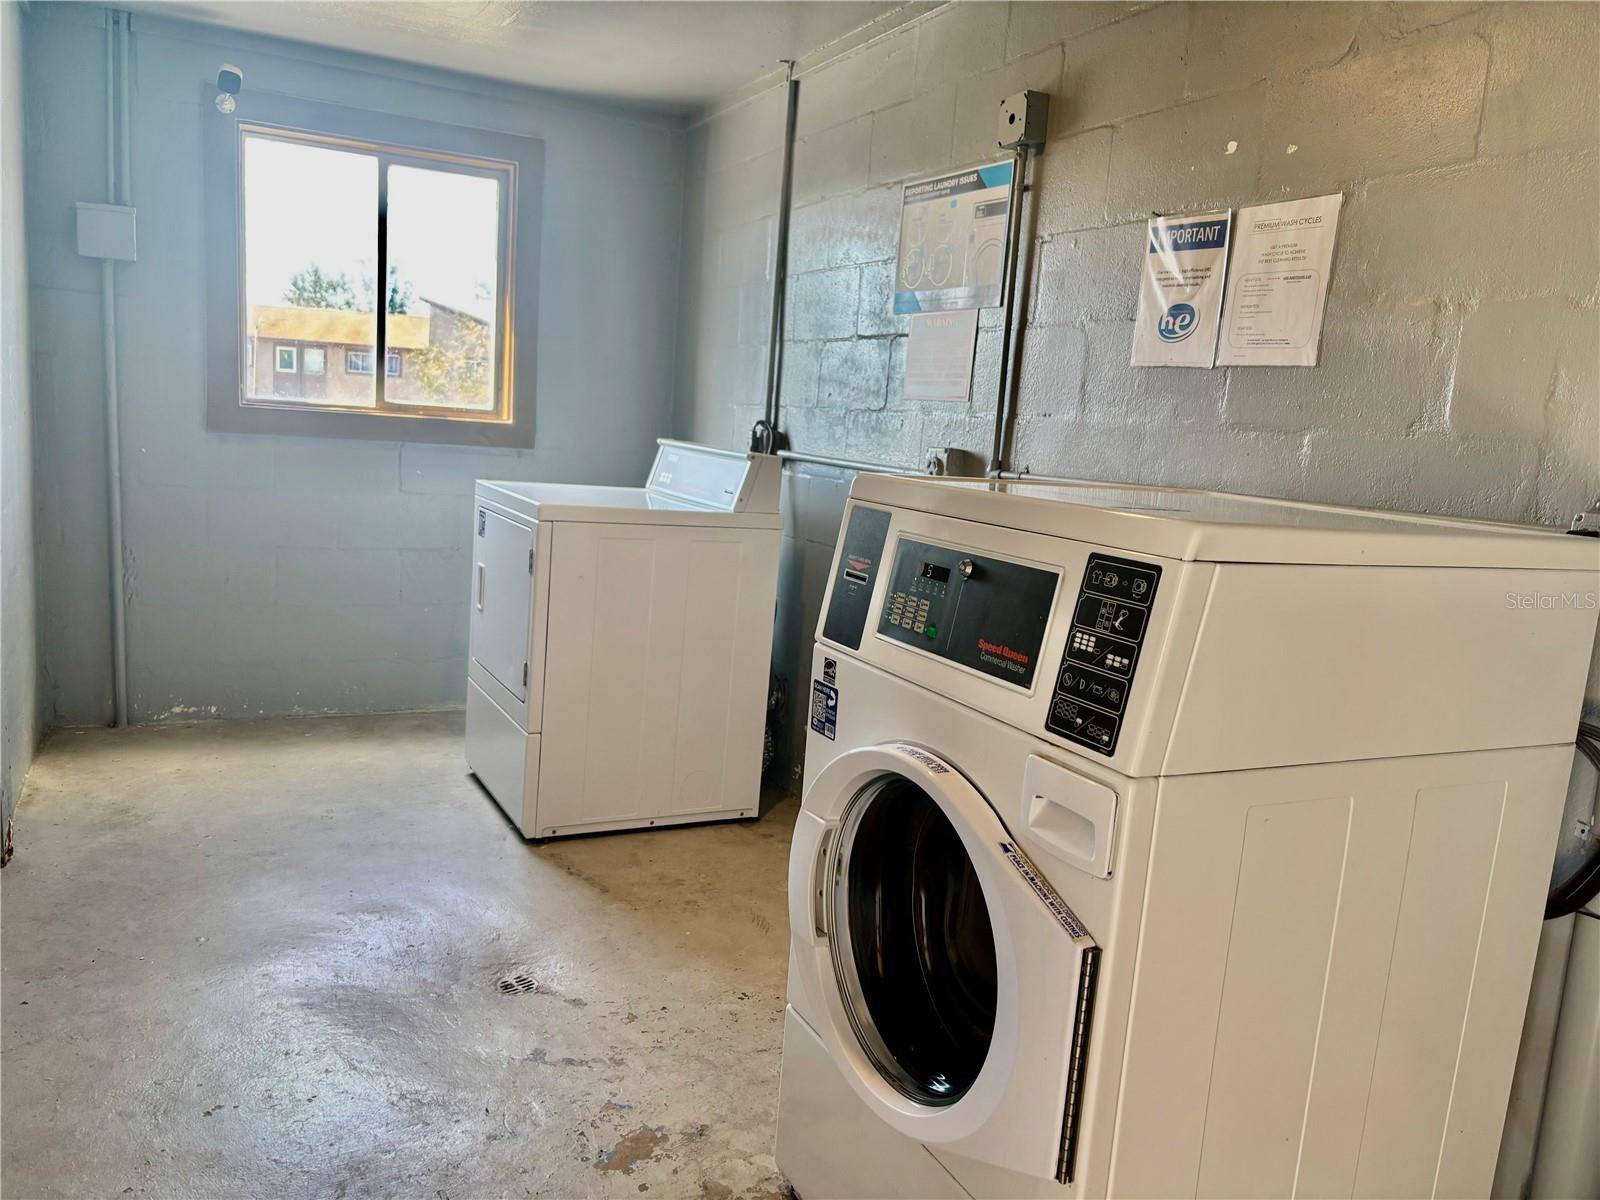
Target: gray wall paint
(19, 662)
(1459, 367)
(279, 575)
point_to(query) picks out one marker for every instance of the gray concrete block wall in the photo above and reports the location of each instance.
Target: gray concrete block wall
(271, 575)
(1458, 369)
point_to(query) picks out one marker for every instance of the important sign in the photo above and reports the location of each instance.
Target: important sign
(1180, 290)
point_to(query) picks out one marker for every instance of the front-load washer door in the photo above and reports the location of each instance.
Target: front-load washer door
(957, 986)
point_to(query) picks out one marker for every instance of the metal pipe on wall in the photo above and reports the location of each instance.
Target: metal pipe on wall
(1019, 188)
(846, 464)
(116, 192)
(1020, 476)
(125, 191)
(765, 435)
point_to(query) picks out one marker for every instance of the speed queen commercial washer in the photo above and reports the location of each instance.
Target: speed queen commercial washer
(620, 642)
(1169, 843)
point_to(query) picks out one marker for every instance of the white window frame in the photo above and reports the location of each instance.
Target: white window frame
(517, 162)
(322, 358)
(278, 351)
(352, 364)
(391, 364)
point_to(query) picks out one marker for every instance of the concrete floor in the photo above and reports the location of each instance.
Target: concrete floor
(266, 959)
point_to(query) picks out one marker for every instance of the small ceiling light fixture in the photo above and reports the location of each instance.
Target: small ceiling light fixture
(230, 82)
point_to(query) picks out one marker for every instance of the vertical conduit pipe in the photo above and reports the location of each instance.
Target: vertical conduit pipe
(115, 29)
(766, 433)
(124, 90)
(1019, 188)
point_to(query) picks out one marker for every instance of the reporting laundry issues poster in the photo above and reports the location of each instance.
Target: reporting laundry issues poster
(1180, 290)
(953, 240)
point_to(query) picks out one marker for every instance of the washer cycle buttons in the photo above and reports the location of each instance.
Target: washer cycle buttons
(1104, 615)
(1133, 582)
(1102, 652)
(1104, 691)
(1098, 662)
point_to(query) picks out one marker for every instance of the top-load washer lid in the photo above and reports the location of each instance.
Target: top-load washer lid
(1193, 525)
(688, 485)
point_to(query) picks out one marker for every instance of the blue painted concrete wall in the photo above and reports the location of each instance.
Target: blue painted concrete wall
(280, 575)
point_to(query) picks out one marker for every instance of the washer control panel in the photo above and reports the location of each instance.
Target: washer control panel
(851, 601)
(1108, 626)
(985, 613)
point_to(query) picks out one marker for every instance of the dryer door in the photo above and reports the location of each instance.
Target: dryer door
(958, 987)
(502, 598)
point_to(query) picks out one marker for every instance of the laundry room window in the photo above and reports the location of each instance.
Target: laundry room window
(348, 239)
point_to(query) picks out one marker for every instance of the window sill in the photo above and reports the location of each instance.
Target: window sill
(227, 415)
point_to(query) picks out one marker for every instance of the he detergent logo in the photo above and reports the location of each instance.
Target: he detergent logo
(1177, 323)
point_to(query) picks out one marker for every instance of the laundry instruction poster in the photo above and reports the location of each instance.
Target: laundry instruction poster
(1282, 256)
(953, 240)
(1180, 290)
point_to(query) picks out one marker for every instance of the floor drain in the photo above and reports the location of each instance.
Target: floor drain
(518, 984)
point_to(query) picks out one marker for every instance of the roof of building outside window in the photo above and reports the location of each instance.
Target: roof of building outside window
(335, 326)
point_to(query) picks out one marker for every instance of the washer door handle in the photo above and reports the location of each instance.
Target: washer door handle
(1072, 814)
(819, 882)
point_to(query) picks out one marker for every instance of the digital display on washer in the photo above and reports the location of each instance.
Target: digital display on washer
(984, 613)
(1108, 626)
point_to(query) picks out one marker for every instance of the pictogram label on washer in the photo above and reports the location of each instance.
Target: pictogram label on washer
(1109, 620)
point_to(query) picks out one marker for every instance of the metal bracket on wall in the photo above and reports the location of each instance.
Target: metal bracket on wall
(953, 460)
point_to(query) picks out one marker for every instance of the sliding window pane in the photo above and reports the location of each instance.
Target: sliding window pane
(310, 256)
(444, 280)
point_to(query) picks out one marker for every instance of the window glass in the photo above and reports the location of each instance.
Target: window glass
(314, 360)
(286, 359)
(444, 262)
(310, 254)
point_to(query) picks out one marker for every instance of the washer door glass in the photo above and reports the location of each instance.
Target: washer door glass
(912, 945)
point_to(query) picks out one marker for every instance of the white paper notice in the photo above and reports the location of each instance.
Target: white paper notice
(1279, 283)
(1180, 290)
(939, 355)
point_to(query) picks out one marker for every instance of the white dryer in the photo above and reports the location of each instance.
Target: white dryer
(620, 642)
(1168, 843)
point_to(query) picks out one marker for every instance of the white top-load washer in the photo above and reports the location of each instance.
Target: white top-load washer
(620, 642)
(1168, 843)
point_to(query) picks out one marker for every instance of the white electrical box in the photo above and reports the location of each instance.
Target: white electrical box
(108, 231)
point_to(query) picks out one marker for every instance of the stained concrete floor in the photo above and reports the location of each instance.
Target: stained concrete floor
(266, 958)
